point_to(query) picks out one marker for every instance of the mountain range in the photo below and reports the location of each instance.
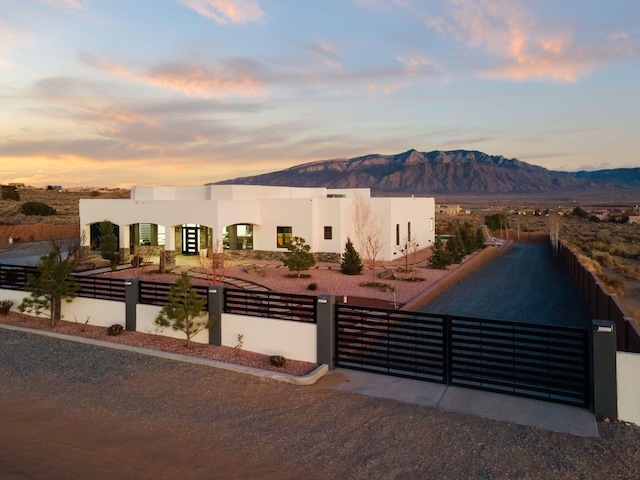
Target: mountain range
(457, 172)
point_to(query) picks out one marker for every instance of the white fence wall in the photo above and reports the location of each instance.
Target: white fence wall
(146, 314)
(293, 340)
(101, 313)
(628, 366)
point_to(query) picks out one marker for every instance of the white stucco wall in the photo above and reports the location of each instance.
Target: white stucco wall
(101, 313)
(306, 210)
(293, 340)
(146, 314)
(628, 368)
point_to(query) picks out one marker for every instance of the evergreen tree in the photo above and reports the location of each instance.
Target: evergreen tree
(439, 255)
(479, 238)
(299, 256)
(108, 243)
(52, 283)
(184, 311)
(350, 263)
(455, 248)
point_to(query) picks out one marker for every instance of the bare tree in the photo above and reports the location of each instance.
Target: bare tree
(373, 245)
(213, 265)
(406, 247)
(361, 216)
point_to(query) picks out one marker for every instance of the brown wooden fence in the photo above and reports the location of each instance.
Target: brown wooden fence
(603, 305)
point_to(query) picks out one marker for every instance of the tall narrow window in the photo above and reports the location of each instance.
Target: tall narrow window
(397, 234)
(409, 231)
(431, 224)
(283, 236)
(328, 233)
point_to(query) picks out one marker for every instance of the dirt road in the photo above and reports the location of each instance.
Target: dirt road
(69, 410)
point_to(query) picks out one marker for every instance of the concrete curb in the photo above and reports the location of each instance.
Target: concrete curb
(309, 379)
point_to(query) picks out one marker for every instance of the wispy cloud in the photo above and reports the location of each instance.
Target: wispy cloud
(63, 3)
(226, 11)
(326, 52)
(507, 31)
(235, 77)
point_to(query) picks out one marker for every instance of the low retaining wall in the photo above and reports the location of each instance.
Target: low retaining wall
(628, 366)
(460, 271)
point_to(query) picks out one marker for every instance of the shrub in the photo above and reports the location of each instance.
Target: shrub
(37, 208)
(11, 195)
(312, 286)
(115, 329)
(613, 285)
(277, 360)
(5, 306)
(350, 263)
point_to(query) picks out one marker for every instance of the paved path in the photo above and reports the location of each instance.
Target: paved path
(521, 285)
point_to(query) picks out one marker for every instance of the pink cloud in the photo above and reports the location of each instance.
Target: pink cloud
(192, 80)
(506, 30)
(226, 11)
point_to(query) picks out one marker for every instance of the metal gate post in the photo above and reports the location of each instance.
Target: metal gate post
(215, 298)
(131, 297)
(605, 389)
(325, 328)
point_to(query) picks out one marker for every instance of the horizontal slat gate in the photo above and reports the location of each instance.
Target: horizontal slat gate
(405, 344)
(546, 362)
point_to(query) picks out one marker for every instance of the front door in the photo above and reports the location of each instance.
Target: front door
(190, 239)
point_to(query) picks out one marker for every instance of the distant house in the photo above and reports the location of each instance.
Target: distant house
(250, 219)
(448, 209)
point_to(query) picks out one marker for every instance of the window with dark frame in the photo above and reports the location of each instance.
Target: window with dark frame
(397, 234)
(328, 233)
(408, 231)
(283, 236)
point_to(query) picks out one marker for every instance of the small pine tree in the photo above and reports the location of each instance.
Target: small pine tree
(351, 264)
(184, 310)
(108, 243)
(439, 256)
(456, 248)
(299, 257)
(479, 238)
(52, 283)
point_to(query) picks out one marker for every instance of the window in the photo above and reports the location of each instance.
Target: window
(284, 237)
(328, 233)
(431, 224)
(409, 231)
(397, 234)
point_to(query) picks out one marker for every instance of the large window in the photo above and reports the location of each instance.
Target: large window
(284, 236)
(328, 233)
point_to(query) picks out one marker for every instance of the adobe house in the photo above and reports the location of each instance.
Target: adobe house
(253, 221)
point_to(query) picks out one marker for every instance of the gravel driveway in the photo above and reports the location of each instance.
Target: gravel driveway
(521, 286)
(70, 410)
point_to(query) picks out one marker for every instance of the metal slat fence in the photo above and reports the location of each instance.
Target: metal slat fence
(538, 361)
(14, 277)
(153, 293)
(102, 288)
(284, 306)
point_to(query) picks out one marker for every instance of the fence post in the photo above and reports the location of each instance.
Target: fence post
(325, 328)
(605, 389)
(131, 297)
(215, 297)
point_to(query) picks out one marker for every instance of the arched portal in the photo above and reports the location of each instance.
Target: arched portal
(238, 236)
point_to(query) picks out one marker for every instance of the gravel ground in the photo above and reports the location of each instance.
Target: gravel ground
(69, 410)
(521, 285)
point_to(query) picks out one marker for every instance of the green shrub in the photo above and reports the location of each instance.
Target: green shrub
(115, 329)
(5, 306)
(613, 285)
(37, 208)
(11, 195)
(277, 360)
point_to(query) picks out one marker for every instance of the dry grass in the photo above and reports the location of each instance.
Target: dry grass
(66, 204)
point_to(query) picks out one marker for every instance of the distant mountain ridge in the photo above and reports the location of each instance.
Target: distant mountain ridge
(456, 172)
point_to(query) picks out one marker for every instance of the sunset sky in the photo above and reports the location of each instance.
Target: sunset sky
(151, 92)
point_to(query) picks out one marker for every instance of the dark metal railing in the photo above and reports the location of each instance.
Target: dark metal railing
(546, 362)
(102, 288)
(285, 306)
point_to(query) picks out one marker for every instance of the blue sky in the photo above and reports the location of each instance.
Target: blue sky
(120, 93)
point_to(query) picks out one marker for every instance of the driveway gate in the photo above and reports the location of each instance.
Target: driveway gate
(545, 362)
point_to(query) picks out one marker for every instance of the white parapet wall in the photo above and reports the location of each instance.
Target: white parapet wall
(100, 313)
(628, 366)
(292, 340)
(146, 314)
